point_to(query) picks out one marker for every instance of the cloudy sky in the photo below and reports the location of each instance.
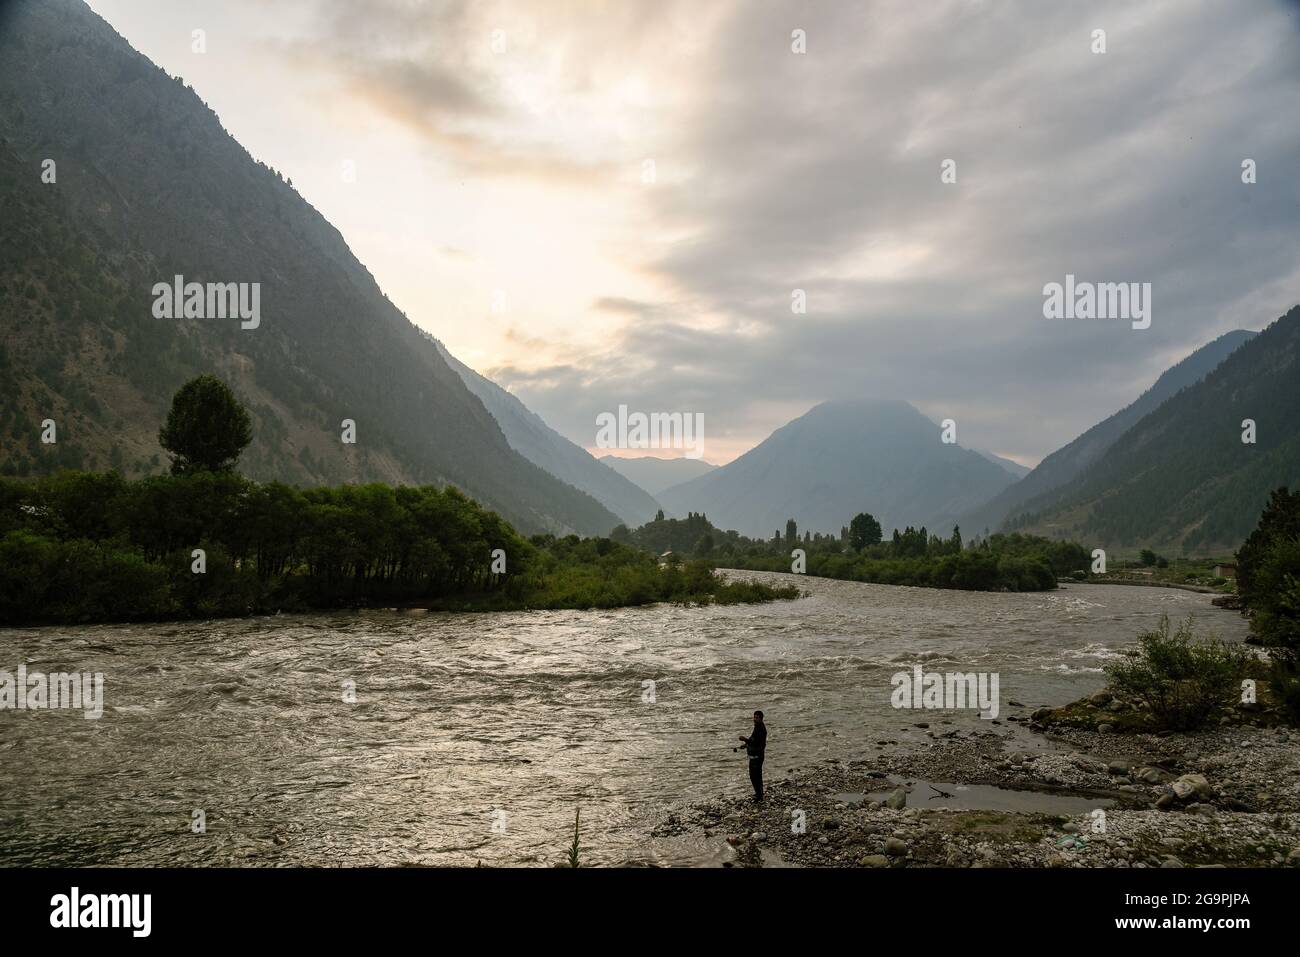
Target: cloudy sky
(612, 203)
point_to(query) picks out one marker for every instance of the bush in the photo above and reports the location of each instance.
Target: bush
(1184, 682)
(1284, 679)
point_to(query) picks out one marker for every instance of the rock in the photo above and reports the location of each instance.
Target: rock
(1115, 705)
(1100, 698)
(1070, 827)
(1040, 714)
(895, 848)
(1172, 861)
(896, 799)
(1200, 787)
(1293, 859)
(830, 824)
(1149, 775)
(1182, 789)
(1119, 768)
(1105, 728)
(874, 860)
(1166, 800)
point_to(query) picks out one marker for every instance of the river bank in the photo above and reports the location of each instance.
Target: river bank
(1019, 796)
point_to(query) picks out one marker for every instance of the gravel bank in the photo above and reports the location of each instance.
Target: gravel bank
(1009, 796)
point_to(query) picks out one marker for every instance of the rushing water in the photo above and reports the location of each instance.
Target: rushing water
(474, 737)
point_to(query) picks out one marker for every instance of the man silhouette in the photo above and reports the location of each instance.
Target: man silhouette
(755, 745)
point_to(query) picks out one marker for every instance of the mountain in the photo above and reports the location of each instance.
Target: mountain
(543, 446)
(655, 474)
(1066, 463)
(1015, 469)
(841, 458)
(147, 185)
(1181, 478)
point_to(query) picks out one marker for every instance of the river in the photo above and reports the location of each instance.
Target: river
(474, 737)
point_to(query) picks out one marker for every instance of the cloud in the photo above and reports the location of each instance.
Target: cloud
(778, 171)
(822, 172)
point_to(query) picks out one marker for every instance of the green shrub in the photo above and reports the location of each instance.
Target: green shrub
(1183, 681)
(1284, 679)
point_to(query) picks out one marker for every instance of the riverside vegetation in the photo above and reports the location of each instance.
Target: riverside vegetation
(997, 562)
(82, 547)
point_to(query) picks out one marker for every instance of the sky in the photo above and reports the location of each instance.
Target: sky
(599, 204)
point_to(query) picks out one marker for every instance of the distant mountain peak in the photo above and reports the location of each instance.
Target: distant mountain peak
(839, 458)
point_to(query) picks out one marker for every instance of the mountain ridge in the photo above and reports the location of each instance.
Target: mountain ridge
(150, 185)
(530, 436)
(654, 474)
(1063, 465)
(1181, 477)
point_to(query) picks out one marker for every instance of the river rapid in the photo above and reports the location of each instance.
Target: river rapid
(474, 737)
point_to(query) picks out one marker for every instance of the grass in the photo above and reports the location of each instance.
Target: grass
(574, 847)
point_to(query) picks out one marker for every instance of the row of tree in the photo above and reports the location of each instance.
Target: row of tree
(205, 541)
(911, 556)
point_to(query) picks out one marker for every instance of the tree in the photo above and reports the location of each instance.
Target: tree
(791, 531)
(864, 530)
(206, 428)
(1279, 520)
(1268, 581)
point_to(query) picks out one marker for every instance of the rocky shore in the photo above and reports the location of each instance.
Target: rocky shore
(1046, 790)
